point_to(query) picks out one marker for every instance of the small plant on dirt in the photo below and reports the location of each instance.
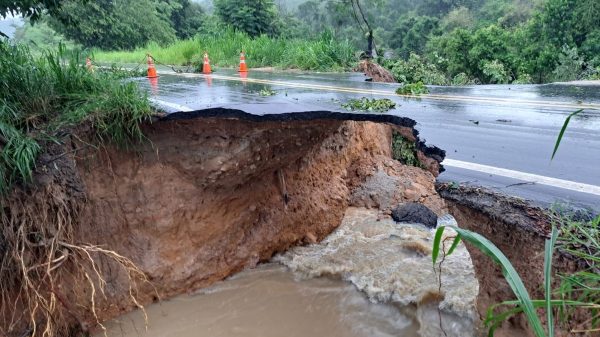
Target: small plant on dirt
(266, 92)
(371, 105)
(404, 150)
(413, 89)
(581, 240)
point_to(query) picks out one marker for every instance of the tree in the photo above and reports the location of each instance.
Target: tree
(412, 33)
(254, 17)
(115, 24)
(439, 8)
(29, 9)
(312, 14)
(186, 17)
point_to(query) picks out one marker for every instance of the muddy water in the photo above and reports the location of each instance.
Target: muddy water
(370, 278)
(391, 263)
(270, 302)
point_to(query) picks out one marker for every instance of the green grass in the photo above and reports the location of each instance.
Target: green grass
(581, 239)
(41, 98)
(323, 54)
(524, 302)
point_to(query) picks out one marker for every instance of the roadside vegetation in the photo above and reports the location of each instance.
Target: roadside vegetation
(433, 41)
(41, 97)
(323, 53)
(52, 109)
(577, 294)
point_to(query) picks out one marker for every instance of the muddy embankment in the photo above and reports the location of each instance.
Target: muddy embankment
(214, 192)
(208, 196)
(519, 230)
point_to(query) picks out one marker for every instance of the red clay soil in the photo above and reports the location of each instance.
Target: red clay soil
(375, 71)
(207, 198)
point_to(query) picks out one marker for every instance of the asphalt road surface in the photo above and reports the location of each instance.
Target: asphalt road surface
(497, 136)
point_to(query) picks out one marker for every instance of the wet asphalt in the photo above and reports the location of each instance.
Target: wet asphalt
(511, 127)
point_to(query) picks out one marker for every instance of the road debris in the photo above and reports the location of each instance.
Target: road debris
(371, 105)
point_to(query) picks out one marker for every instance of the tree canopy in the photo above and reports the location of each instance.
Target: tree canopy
(444, 41)
(31, 9)
(126, 24)
(254, 17)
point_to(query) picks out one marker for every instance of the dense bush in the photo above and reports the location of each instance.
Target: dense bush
(417, 69)
(492, 41)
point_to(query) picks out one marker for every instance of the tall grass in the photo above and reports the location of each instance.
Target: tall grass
(323, 54)
(581, 239)
(41, 97)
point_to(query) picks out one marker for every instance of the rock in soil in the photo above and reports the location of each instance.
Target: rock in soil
(415, 213)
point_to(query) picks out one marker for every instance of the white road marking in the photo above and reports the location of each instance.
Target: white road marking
(529, 177)
(175, 106)
(483, 100)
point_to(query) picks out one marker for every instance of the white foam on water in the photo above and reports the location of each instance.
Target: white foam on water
(392, 263)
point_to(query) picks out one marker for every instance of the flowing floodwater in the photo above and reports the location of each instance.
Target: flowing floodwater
(270, 302)
(370, 278)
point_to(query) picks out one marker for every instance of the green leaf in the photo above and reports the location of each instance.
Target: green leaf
(562, 132)
(454, 245)
(436, 243)
(509, 272)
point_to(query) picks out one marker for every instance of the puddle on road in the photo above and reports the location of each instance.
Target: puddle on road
(269, 302)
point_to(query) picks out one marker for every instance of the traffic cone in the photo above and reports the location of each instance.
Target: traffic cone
(151, 68)
(206, 67)
(88, 64)
(243, 66)
(153, 85)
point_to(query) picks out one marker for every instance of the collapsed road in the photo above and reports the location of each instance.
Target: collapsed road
(496, 136)
(219, 188)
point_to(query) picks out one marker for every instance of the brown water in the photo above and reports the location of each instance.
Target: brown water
(270, 302)
(370, 278)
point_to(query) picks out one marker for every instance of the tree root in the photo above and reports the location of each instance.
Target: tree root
(48, 280)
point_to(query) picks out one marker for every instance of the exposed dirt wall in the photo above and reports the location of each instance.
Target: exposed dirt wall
(212, 196)
(518, 229)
